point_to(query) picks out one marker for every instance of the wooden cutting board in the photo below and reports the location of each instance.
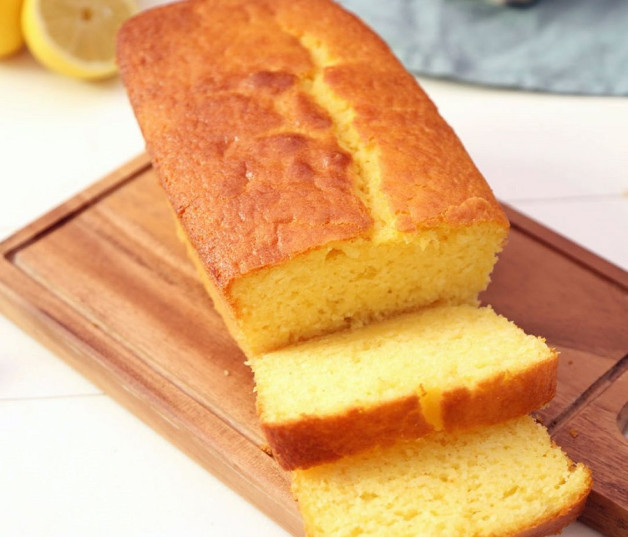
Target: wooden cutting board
(103, 281)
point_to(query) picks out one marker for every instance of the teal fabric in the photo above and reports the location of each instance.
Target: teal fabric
(564, 46)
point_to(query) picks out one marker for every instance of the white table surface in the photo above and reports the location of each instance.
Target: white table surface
(72, 461)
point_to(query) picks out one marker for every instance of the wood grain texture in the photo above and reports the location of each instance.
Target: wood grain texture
(104, 282)
(593, 434)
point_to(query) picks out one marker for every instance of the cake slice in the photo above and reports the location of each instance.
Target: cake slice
(506, 480)
(315, 183)
(445, 368)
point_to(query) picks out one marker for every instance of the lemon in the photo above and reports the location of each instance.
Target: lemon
(75, 37)
(11, 39)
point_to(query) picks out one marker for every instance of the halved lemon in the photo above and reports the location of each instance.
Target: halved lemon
(75, 37)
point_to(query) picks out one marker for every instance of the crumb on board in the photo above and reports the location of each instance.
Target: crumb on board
(573, 433)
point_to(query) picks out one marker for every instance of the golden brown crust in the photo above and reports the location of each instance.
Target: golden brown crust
(427, 175)
(501, 397)
(250, 160)
(314, 440)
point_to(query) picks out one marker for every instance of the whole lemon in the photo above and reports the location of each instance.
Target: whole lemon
(11, 39)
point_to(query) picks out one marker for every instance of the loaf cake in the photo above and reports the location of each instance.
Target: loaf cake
(505, 480)
(445, 368)
(344, 234)
(315, 183)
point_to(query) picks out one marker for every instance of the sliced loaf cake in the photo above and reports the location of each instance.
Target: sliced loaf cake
(445, 368)
(508, 480)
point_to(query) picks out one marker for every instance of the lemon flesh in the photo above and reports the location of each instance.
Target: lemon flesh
(75, 37)
(11, 39)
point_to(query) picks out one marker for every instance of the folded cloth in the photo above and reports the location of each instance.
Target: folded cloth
(565, 46)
